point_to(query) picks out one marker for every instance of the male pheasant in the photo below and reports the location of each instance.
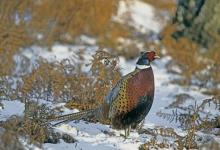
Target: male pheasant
(129, 101)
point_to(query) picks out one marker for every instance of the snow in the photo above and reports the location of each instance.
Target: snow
(88, 40)
(58, 53)
(11, 108)
(93, 136)
(63, 108)
(98, 136)
(142, 16)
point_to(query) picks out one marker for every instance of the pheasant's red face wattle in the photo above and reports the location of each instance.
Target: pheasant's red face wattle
(151, 55)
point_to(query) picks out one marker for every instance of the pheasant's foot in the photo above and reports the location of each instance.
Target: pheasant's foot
(125, 138)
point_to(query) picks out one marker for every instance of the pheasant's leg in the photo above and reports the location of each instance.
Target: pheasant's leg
(140, 125)
(129, 130)
(125, 133)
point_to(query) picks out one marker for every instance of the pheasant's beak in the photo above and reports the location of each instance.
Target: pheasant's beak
(156, 57)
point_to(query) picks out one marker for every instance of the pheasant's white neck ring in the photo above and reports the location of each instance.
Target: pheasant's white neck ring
(142, 66)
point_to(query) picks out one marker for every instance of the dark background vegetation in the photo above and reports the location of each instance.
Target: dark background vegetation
(191, 37)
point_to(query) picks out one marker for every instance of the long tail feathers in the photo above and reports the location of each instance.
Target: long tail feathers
(74, 116)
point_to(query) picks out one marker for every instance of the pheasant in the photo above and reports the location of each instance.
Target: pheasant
(129, 101)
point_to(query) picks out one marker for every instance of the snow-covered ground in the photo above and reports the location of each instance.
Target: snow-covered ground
(139, 15)
(101, 137)
(11, 108)
(98, 136)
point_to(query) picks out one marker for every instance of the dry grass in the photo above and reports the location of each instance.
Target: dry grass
(53, 82)
(193, 119)
(44, 23)
(33, 128)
